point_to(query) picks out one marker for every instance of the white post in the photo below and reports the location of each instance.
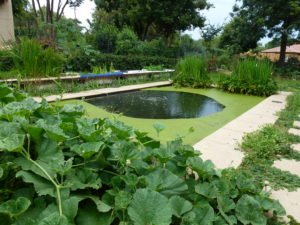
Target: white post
(6, 23)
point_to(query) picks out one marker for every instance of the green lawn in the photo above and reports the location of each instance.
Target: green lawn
(235, 106)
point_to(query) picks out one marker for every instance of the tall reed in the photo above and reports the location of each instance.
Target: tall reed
(192, 71)
(31, 60)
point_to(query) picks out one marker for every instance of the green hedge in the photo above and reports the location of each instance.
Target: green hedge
(85, 62)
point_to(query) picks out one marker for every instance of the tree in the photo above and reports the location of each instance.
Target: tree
(279, 16)
(165, 17)
(52, 12)
(242, 33)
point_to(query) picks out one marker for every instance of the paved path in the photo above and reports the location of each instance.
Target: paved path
(221, 146)
(103, 91)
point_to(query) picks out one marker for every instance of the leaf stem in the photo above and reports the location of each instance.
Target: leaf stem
(57, 186)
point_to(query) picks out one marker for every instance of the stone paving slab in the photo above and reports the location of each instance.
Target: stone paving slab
(289, 200)
(296, 124)
(296, 147)
(294, 131)
(292, 166)
(103, 91)
(232, 133)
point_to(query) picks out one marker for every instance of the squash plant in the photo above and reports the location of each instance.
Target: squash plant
(58, 167)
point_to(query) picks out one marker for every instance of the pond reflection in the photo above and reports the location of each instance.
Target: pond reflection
(158, 104)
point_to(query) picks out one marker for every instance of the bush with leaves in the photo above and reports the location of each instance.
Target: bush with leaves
(58, 167)
(250, 76)
(126, 42)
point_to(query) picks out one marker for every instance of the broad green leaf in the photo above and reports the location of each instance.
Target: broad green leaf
(13, 143)
(149, 207)
(122, 200)
(53, 131)
(204, 214)
(87, 128)
(124, 151)
(54, 219)
(4, 91)
(15, 207)
(88, 215)
(206, 189)
(203, 168)
(180, 206)
(24, 108)
(72, 110)
(159, 127)
(248, 210)
(41, 185)
(165, 182)
(83, 178)
(270, 204)
(86, 150)
(70, 207)
(226, 203)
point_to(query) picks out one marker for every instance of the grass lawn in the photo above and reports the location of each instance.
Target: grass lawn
(235, 106)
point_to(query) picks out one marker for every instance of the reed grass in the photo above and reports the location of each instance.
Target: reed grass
(192, 71)
(31, 60)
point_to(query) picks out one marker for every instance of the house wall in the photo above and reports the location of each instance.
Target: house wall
(6, 23)
(275, 56)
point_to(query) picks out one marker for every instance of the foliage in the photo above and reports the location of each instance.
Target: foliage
(152, 18)
(33, 61)
(235, 37)
(192, 71)
(126, 42)
(284, 20)
(251, 77)
(84, 58)
(62, 168)
(105, 38)
(271, 143)
(6, 60)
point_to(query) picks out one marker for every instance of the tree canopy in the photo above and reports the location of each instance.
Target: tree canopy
(148, 17)
(278, 16)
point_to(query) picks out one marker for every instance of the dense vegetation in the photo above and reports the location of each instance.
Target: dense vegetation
(58, 167)
(250, 76)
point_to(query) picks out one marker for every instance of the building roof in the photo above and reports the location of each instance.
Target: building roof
(289, 49)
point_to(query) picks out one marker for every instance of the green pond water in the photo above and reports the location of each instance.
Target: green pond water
(156, 104)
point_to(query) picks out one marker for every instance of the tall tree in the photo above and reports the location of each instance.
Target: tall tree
(279, 16)
(165, 17)
(53, 11)
(242, 33)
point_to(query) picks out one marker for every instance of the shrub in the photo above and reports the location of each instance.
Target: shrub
(251, 77)
(84, 59)
(126, 42)
(105, 38)
(192, 71)
(33, 61)
(59, 167)
(6, 60)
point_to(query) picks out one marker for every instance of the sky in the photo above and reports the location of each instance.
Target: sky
(217, 15)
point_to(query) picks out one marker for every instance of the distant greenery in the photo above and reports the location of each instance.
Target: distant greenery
(59, 167)
(192, 72)
(249, 76)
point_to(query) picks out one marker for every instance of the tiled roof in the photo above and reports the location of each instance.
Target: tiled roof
(289, 49)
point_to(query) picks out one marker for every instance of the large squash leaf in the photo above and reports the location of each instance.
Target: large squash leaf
(149, 207)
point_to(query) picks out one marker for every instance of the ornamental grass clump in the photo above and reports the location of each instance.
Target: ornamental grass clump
(32, 60)
(250, 76)
(192, 72)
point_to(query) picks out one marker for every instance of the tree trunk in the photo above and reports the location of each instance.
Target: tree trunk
(283, 43)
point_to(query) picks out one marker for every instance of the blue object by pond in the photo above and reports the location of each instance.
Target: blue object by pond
(92, 75)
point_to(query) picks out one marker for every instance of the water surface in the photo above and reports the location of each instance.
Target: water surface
(158, 104)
